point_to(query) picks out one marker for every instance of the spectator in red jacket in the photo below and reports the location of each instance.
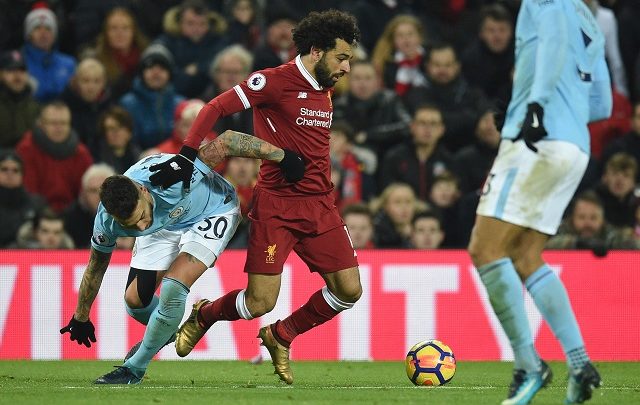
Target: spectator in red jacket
(54, 159)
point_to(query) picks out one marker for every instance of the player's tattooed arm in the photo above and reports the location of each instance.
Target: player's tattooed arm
(233, 143)
(91, 281)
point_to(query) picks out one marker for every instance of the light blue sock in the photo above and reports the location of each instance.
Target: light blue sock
(163, 323)
(142, 314)
(552, 301)
(505, 293)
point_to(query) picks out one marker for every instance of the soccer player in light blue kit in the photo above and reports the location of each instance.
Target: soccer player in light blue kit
(180, 233)
(561, 83)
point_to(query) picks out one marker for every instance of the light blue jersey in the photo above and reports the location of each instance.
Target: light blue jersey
(560, 65)
(173, 208)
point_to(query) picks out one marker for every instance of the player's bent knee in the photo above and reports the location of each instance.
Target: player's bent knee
(349, 293)
(132, 300)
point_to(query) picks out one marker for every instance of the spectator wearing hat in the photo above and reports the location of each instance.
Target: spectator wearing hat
(51, 69)
(18, 109)
(17, 205)
(54, 158)
(153, 98)
(194, 35)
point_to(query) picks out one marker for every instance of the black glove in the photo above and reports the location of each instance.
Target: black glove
(532, 128)
(179, 167)
(292, 166)
(597, 246)
(81, 332)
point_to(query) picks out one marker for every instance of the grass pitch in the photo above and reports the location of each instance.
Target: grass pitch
(335, 383)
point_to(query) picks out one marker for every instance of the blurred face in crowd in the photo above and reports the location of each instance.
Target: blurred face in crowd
(486, 130)
(120, 31)
(427, 127)
(587, 218)
(10, 174)
(90, 193)
(619, 182)
(496, 34)
(194, 26)
(55, 121)
(426, 233)
(360, 229)
(116, 134)
(406, 39)
(242, 171)
(635, 121)
(333, 64)
(16, 80)
(443, 66)
(243, 11)
(42, 38)
(229, 72)
(91, 79)
(279, 34)
(444, 193)
(156, 77)
(400, 206)
(50, 233)
(363, 81)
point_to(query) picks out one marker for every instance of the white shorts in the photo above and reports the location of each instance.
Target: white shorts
(205, 241)
(533, 189)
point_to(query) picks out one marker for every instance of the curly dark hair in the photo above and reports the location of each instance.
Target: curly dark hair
(321, 29)
(119, 195)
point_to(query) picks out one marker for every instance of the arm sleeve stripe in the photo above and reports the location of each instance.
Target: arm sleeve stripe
(242, 96)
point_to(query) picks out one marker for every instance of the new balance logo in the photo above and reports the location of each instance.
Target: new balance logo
(302, 94)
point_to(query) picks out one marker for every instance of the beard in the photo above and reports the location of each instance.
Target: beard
(323, 74)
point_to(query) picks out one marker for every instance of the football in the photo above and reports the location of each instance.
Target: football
(430, 363)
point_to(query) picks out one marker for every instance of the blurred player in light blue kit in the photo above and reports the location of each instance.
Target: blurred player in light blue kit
(180, 233)
(561, 83)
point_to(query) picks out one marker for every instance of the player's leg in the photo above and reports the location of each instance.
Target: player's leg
(139, 296)
(552, 300)
(257, 299)
(489, 249)
(320, 253)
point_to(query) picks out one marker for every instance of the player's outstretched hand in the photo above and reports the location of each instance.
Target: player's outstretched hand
(81, 332)
(178, 168)
(292, 166)
(532, 127)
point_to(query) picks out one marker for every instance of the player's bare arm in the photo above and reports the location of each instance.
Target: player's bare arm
(91, 281)
(233, 143)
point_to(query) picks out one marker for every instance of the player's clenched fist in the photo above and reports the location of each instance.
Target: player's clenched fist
(81, 332)
(532, 128)
(292, 166)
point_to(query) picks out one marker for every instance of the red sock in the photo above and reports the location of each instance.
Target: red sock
(222, 309)
(315, 312)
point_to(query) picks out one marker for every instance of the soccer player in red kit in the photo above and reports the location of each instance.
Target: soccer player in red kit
(292, 109)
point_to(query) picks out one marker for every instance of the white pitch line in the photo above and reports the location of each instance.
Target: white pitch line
(273, 387)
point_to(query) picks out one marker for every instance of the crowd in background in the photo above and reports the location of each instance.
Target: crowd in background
(88, 87)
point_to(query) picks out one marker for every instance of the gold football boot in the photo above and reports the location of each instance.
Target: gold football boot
(190, 332)
(279, 354)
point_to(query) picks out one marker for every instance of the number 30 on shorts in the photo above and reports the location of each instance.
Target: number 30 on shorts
(213, 227)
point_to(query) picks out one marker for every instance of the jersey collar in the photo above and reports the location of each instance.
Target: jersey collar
(303, 70)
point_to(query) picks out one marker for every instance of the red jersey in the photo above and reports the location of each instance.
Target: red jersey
(291, 111)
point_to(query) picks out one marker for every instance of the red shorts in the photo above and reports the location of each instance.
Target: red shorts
(311, 226)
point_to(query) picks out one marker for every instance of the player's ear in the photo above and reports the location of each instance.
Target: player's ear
(316, 54)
